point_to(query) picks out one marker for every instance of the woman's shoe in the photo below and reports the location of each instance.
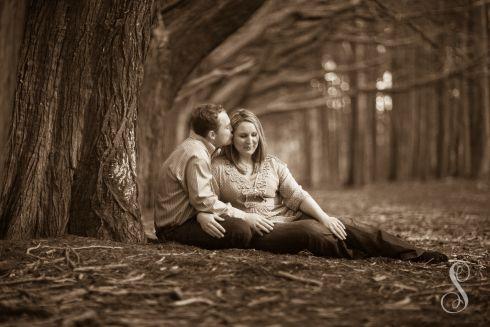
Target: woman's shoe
(431, 257)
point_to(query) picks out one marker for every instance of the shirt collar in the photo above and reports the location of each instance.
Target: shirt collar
(209, 146)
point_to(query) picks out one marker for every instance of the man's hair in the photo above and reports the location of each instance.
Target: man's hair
(204, 118)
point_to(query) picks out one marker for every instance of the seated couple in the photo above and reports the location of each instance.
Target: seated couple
(243, 197)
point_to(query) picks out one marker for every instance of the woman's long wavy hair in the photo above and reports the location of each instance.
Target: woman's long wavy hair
(236, 118)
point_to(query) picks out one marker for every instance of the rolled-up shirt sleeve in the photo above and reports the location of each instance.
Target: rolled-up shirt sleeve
(201, 193)
(291, 192)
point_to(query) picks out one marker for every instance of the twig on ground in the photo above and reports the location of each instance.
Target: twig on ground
(37, 279)
(33, 248)
(28, 251)
(69, 296)
(69, 262)
(405, 287)
(264, 299)
(179, 254)
(91, 268)
(98, 247)
(85, 319)
(300, 279)
(129, 280)
(193, 300)
(405, 304)
(112, 290)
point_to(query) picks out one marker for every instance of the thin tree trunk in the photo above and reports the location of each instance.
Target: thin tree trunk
(374, 133)
(357, 158)
(465, 128)
(352, 158)
(453, 111)
(394, 123)
(336, 146)
(433, 131)
(414, 108)
(314, 146)
(485, 161)
(443, 128)
(423, 156)
(327, 154)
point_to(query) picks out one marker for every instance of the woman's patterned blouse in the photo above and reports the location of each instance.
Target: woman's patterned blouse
(272, 192)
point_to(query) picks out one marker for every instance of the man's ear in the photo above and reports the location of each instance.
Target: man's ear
(212, 135)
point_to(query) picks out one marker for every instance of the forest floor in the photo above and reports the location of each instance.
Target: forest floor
(74, 281)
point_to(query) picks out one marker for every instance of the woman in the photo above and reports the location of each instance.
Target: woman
(254, 181)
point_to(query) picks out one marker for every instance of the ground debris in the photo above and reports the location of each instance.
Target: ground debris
(300, 279)
(14, 309)
(76, 281)
(87, 318)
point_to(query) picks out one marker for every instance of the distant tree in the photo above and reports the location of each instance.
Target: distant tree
(485, 86)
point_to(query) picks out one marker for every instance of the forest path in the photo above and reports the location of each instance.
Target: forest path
(78, 281)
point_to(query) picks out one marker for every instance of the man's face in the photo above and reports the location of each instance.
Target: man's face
(223, 133)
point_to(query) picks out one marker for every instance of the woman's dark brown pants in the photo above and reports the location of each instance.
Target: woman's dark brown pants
(305, 234)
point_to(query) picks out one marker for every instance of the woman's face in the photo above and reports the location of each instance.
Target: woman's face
(245, 139)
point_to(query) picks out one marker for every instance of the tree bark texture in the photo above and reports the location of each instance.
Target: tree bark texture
(11, 31)
(72, 158)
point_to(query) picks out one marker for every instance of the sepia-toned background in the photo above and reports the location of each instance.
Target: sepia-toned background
(350, 92)
(379, 107)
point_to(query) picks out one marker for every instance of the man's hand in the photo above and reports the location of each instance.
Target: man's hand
(209, 223)
(259, 223)
(335, 226)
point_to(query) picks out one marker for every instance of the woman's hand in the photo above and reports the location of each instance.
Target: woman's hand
(209, 223)
(259, 223)
(335, 226)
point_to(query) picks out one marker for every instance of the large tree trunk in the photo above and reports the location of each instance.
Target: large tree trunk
(72, 156)
(81, 67)
(11, 30)
(183, 34)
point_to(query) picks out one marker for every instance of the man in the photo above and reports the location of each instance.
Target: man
(185, 189)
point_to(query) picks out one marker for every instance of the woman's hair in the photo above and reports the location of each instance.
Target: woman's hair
(236, 118)
(204, 118)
